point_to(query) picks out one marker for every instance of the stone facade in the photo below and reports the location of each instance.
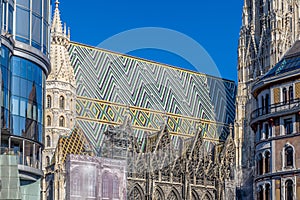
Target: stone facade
(269, 28)
(95, 178)
(275, 124)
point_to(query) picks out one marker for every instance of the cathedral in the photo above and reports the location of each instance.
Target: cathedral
(121, 127)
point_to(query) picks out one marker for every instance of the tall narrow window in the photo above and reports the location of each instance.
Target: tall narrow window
(289, 157)
(261, 6)
(267, 162)
(291, 94)
(267, 103)
(284, 95)
(267, 192)
(48, 141)
(48, 120)
(260, 194)
(61, 121)
(116, 187)
(289, 190)
(48, 101)
(105, 186)
(288, 126)
(267, 133)
(262, 104)
(47, 161)
(61, 102)
(259, 164)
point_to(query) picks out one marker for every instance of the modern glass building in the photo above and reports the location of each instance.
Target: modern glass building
(24, 47)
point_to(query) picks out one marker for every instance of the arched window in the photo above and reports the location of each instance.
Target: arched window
(48, 101)
(47, 161)
(284, 95)
(61, 121)
(289, 190)
(259, 164)
(48, 120)
(48, 141)
(136, 194)
(105, 185)
(289, 156)
(116, 187)
(291, 93)
(267, 192)
(260, 193)
(267, 162)
(62, 102)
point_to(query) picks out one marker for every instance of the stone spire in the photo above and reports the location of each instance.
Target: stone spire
(61, 69)
(56, 22)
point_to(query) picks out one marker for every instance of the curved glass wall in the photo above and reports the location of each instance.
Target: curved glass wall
(27, 100)
(5, 89)
(22, 103)
(32, 23)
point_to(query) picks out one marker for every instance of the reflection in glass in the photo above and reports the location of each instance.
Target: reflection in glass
(27, 99)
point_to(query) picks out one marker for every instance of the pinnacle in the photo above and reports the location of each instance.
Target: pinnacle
(56, 22)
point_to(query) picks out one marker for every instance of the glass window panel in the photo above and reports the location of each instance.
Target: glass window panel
(16, 70)
(23, 68)
(36, 29)
(24, 91)
(37, 75)
(29, 110)
(22, 121)
(6, 99)
(15, 105)
(37, 6)
(4, 78)
(46, 12)
(39, 94)
(16, 125)
(4, 20)
(22, 20)
(24, 3)
(45, 37)
(22, 107)
(10, 19)
(40, 116)
(15, 85)
(29, 76)
(34, 112)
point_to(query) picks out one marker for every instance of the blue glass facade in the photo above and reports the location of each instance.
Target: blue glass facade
(5, 89)
(32, 22)
(22, 105)
(27, 96)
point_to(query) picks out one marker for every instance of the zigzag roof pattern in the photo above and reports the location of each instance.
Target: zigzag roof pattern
(123, 80)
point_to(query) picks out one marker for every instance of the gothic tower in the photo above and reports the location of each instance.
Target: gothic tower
(60, 90)
(269, 28)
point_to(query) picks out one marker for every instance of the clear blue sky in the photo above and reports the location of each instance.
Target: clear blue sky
(213, 24)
